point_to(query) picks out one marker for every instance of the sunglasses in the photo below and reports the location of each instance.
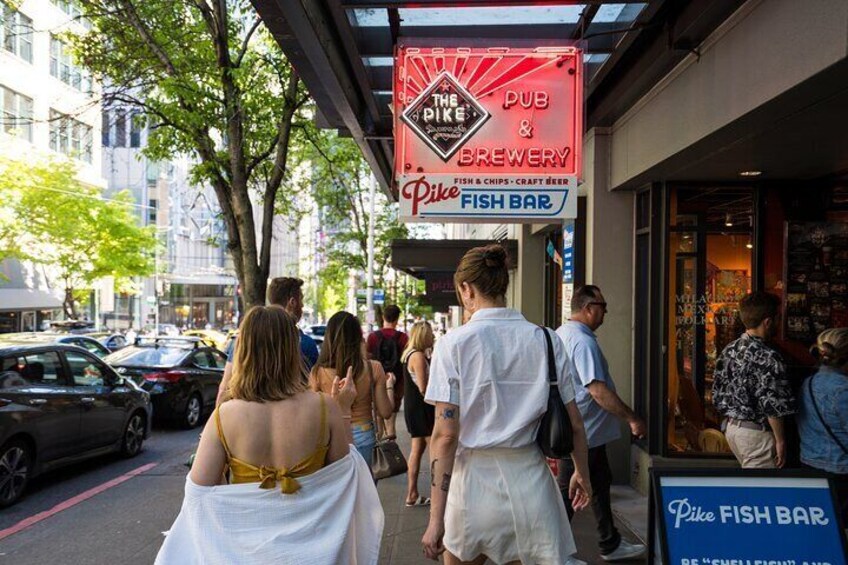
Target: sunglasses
(601, 304)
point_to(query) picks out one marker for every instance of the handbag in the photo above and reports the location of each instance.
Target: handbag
(387, 460)
(821, 418)
(555, 436)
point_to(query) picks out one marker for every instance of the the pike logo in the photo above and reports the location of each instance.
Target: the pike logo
(445, 115)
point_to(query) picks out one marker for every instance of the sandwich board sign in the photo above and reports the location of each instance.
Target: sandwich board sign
(744, 517)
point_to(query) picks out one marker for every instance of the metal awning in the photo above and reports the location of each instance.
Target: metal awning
(28, 299)
(343, 49)
(418, 257)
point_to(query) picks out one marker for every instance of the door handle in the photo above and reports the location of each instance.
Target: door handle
(38, 401)
(87, 400)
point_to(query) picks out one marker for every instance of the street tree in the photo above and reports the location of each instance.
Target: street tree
(68, 227)
(213, 84)
(339, 181)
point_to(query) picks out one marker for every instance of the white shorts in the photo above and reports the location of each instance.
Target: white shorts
(505, 504)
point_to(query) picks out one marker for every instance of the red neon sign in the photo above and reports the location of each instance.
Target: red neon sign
(487, 133)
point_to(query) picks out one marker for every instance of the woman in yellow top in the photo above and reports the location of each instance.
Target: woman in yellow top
(272, 429)
(343, 352)
(295, 488)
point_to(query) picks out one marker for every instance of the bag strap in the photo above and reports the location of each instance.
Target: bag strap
(821, 418)
(552, 374)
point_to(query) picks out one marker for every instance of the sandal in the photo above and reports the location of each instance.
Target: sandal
(420, 501)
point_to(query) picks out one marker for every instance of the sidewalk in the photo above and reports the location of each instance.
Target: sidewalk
(405, 526)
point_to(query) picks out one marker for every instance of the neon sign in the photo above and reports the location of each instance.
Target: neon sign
(485, 134)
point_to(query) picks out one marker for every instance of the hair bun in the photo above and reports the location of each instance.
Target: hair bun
(494, 257)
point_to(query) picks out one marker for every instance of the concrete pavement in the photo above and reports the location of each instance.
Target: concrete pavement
(405, 526)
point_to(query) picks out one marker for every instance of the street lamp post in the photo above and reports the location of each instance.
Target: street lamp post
(369, 297)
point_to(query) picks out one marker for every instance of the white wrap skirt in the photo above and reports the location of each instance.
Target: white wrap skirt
(505, 504)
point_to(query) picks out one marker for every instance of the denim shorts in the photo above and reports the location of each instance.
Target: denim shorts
(364, 439)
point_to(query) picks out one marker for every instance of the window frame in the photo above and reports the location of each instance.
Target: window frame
(12, 39)
(93, 360)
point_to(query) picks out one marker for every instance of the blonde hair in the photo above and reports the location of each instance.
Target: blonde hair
(268, 365)
(420, 338)
(832, 348)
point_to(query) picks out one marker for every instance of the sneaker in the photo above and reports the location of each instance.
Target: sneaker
(574, 561)
(626, 550)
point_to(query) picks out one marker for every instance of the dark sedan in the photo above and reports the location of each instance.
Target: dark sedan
(88, 343)
(60, 404)
(181, 374)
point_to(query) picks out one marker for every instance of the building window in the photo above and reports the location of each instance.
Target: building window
(136, 126)
(70, 137)
(63, 67)
(16, 114)
(710, 269)
(15, 32)
(72, 9)
(153, 207)
(121, 128)
(104, 129)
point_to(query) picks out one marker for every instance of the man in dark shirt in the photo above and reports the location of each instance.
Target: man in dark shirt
(751, 388)
(386, 345)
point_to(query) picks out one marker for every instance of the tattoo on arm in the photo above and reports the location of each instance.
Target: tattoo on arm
(433, 473)
(446, 482)
(448, 413)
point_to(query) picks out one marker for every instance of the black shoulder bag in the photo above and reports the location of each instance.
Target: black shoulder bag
(555, 436)
(821, 418)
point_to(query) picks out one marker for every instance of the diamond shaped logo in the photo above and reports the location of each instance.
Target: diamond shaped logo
(445, 115)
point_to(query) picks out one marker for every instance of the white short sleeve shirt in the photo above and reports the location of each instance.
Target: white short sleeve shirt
(495, 369)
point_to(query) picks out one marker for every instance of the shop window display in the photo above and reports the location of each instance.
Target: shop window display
(710, 270)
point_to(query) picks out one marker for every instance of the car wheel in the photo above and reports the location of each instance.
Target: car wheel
(133, 436)
(15, 468)
(193, 410)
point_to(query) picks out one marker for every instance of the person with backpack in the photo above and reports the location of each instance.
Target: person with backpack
(386, 345)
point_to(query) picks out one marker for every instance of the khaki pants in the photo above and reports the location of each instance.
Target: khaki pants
(754, 449)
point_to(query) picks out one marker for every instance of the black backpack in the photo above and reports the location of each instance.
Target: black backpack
(388, 353)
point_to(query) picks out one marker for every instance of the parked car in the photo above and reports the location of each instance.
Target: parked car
(316, 332)
(85, 341)
(112, 341)
(161, 329)
(212, 338)
(60, 404)
(180, 373)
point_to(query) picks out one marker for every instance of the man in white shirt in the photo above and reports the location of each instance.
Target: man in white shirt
(601, 408)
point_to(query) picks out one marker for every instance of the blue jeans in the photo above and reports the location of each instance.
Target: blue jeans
(364, 440)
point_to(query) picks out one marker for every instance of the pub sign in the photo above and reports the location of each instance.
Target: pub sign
(487, 134)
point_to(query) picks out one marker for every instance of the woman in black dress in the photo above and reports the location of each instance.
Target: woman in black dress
(419, 415)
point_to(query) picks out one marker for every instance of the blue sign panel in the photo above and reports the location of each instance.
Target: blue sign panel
(748, 520)
(568, 253)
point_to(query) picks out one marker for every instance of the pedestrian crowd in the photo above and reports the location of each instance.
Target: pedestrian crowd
(286, 466)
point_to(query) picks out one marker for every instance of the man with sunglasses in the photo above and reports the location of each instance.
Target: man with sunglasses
(601, 408)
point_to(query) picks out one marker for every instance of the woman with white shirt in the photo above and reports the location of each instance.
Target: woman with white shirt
(493, 495)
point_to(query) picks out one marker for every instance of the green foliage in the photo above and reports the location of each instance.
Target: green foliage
(210, 79)
(60, 222)
(340, 185)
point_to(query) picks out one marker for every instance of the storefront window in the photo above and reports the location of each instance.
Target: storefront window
(710, 270)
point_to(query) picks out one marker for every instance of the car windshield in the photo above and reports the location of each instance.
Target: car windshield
(147, 356)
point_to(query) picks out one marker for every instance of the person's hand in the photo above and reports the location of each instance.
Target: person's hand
(432, 540)
(579, 492)
(390, 380)
(638, 427)
(780, 455)
(344, 391)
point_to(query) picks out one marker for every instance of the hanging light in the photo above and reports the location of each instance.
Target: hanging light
(728, 221)
(749, 245)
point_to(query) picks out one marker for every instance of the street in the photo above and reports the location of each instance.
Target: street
(121, 524)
